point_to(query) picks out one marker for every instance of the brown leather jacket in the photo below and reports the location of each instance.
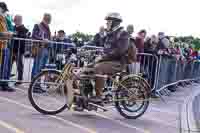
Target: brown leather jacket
(116, 46)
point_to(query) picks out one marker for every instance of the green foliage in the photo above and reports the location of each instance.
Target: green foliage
(82, 36)
(195, 42)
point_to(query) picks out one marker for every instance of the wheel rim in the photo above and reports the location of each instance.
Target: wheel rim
(130, 108)
(53, 97)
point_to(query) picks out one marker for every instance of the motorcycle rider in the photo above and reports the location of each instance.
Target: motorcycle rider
(115, 53)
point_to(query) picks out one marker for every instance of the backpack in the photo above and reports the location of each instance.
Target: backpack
(131, 53)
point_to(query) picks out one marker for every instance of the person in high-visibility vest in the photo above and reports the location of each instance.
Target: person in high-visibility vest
(5, 35)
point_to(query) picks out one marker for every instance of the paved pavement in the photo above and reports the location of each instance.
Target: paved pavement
(17, 115)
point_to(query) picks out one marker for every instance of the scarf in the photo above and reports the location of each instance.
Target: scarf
(46, 30)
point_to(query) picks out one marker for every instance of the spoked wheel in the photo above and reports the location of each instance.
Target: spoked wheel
(132, 98)
(47, 93)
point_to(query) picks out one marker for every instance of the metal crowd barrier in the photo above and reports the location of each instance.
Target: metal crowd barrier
(147, 65)
(163, 71)
(171, 72)
(160, 71)
(19, 55)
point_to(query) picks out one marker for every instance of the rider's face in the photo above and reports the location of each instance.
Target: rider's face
(109, 24)
(1, 11)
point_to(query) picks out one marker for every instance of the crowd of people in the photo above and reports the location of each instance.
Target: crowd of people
(14, 50)
(160, 44)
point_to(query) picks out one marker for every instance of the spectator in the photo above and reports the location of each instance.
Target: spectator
(130, 29)
(181, 47)
(40, 51)
(10, 28)
(198, 55)
(191, 49)
(5, 52)
(60, 48)
(19, 46)
(150, 62)
(140, 41)
(99, 38)
(187, 52)
(192, 52)
(195, 54)
(179, 51)
(151, 45)
(174, 51)
(9, 22)
(163, 43)
(133, 67)
(61, 38)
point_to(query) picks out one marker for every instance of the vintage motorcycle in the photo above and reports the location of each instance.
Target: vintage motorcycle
(128, 93)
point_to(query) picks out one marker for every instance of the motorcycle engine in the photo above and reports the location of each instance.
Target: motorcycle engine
(86, 88)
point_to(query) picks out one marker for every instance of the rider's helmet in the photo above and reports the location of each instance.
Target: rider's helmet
(115, 19)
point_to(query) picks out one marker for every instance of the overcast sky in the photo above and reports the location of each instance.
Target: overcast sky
(175, 17)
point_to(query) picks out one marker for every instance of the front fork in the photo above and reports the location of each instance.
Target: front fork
(70, 93)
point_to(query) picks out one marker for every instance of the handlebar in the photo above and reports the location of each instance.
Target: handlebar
(89, 46)
(89, 52)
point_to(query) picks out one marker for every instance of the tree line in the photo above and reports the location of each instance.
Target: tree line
(194, 41)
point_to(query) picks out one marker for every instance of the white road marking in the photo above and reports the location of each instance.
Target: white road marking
(10, 127)
(21, 90)
(58, 118)
(105, 117)
(128, 125)
(164, 111)
(120, 122)
(170, 124)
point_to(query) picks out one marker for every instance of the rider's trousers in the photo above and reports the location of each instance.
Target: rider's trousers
(105, 68)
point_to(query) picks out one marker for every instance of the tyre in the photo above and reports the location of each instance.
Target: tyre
(41, 93)
(135, 90)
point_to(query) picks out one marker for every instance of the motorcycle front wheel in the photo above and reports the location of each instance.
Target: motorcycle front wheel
(47, 93)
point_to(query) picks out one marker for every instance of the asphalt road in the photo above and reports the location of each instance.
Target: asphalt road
(17, 115)
(190, 112)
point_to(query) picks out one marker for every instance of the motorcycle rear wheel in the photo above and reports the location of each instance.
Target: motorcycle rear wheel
(141, 93)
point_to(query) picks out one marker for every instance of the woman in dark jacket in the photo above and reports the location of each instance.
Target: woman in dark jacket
(18, 48)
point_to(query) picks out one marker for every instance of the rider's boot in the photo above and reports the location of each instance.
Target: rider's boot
(99, 85)
(79, 106)
(96, 100)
